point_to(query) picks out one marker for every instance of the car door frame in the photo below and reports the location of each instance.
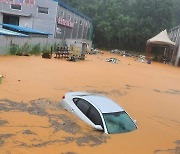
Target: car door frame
(83, 117)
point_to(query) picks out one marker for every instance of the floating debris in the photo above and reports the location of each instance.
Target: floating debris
(28, 132)
(112, 60)
(141, 58)
(1, 77)
(95, 52)
(122, 53)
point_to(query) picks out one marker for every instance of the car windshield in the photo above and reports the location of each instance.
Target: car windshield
(118, 122)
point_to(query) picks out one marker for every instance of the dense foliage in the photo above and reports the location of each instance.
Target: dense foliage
(127, 24)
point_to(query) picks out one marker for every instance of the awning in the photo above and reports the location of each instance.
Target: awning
(161, 39)
(16, 13)
(11, 33)
(26, 30)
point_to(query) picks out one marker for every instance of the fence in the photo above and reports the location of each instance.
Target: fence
(12, 45)
(6, 42)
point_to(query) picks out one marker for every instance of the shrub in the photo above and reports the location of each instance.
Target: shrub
(46, 49)
(36, 49)
(15, 49)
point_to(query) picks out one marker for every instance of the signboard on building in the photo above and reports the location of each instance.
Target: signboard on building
(65, 22)
(19, 2)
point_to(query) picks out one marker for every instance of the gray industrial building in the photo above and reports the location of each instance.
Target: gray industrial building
(174, 35)
(50, 16)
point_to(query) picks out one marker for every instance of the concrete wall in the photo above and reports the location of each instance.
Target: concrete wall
(76, 26)
(78, 31)
(46, 22)
(25, 14)
(29, 17)
(66, 32)
(69, 30)
(26, 22)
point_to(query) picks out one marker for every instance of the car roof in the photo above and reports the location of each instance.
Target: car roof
(104, 104)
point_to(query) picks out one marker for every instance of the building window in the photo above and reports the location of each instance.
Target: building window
(69, 17)
(15, 7)
(43, 10)
(80, 22)
(61, 14)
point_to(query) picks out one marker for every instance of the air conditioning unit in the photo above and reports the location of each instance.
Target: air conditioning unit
(58, 30)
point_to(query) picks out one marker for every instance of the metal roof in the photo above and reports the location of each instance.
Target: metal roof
(72, 9)
(11, 33)
(174, 28)
(25, 29)
(104, 104)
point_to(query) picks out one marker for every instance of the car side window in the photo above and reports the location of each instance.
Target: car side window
(94, 116)
(89, 110)
(82, 105)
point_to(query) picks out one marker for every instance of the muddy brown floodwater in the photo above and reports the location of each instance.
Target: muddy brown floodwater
(31, 120)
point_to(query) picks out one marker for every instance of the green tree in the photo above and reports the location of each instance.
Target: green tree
(176, 7)
(127, 24)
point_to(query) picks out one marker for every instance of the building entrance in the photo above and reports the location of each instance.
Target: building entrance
(10, 19)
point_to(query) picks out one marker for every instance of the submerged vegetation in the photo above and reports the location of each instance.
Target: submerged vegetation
(32, 49)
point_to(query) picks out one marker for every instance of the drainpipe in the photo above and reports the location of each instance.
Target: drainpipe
(56, 17)
(78, 28)
(87, 30)
(73, 25)
(65, 28)
(82, 29)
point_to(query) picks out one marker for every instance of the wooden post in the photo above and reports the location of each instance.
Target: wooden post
(148, 51)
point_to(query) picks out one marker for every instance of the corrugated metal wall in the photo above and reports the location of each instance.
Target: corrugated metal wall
(7, 41)
(174, 35)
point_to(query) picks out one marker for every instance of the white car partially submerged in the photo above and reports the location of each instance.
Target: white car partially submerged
(98, 111)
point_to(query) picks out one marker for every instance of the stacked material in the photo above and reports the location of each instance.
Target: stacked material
(141, 58)
(122, 53)
(116, 51)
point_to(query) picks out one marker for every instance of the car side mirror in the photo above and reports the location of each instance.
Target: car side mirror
(98, 127)
(135, 121)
